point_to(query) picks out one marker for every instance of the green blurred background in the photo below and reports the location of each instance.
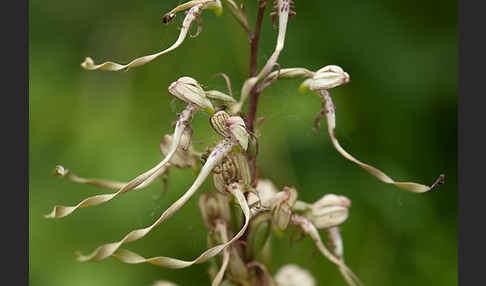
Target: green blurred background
(397, 113)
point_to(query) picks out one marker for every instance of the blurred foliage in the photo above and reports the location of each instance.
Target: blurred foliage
(397, 113)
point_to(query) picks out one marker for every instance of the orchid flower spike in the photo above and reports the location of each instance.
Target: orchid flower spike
(196, 8)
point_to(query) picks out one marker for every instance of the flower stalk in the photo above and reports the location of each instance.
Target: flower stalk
(244, 211)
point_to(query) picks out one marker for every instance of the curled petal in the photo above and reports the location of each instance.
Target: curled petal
(199, 28)
(192, 15)
(61, 172)
(221, 228)
(109, 249)
(283, 17)
(331, 124)
(186, 6)
(309, 229)
(228, 83)
(167, 262)
(62, 211)
(149, 176)
(283, 8)
(336, 242)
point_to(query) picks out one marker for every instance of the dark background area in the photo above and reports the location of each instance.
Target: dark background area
(398, 113)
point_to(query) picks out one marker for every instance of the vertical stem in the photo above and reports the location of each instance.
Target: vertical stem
(254, 39)
(262, 4)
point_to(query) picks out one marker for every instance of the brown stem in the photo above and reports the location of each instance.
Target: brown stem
(253, 63)
(254, 39)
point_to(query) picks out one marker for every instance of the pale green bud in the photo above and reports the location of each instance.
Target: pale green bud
(291, 73)
(331, 210)
(188, 90)
(218, 95)
(328, 77)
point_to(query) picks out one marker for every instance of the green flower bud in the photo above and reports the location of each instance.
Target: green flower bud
(329, 77)
(188, 90)
(331, 210)
(218, 95)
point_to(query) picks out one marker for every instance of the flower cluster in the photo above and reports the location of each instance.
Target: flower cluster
(241, 237)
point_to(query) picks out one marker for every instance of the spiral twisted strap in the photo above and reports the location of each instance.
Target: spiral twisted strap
(168, 262)
(109, 249)
(61, 211)
(192, 15)
(309, 229)
(139, 182)
(331, 124)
